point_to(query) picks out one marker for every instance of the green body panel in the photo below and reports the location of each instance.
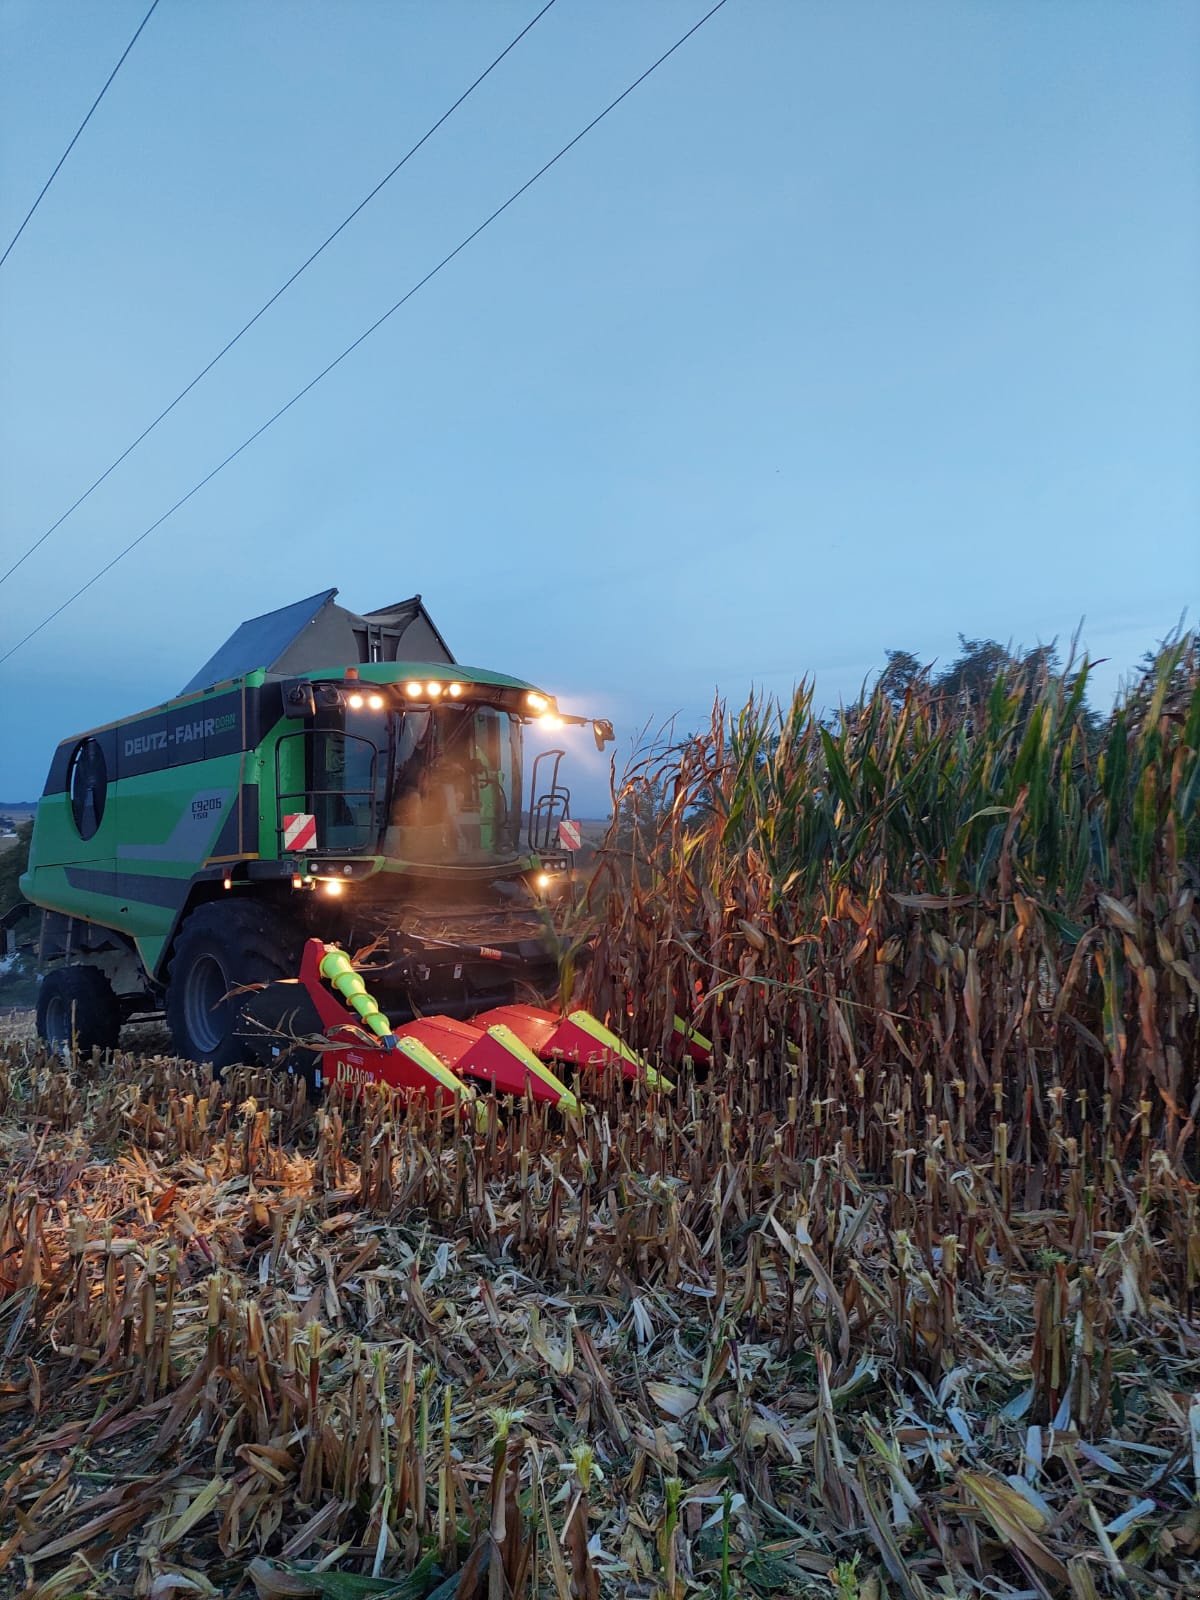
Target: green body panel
(199, 816)
(155, 811)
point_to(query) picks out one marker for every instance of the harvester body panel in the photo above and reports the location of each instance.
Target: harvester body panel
(133, 811)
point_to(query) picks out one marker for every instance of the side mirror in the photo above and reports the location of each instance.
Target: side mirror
(602, 732)
(299, 699)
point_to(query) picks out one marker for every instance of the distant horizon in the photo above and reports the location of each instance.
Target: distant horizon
(535, 741)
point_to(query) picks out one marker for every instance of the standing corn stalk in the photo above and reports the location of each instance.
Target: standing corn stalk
(977, 906)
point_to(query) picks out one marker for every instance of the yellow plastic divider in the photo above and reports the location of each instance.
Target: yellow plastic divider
(424, 1058)
(692, 1035)
(505, 1036)
(609, 1041)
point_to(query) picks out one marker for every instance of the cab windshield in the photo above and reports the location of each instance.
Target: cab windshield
(436, 787)
(454, 785)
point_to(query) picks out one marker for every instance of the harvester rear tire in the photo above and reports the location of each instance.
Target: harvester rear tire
(78, 1002)
(220, 948)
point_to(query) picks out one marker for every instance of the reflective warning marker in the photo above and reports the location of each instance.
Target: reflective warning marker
(300, 831)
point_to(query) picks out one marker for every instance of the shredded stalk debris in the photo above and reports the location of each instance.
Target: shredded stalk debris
(674, 1347)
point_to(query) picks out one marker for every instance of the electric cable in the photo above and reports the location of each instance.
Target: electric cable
(283, 288)
(78, 131)
(366, 334)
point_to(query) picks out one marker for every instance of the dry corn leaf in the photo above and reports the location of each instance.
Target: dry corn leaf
(1015, 1520)
(199, 1507)
(674, 1399)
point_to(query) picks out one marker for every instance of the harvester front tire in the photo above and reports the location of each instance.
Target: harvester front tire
(221, 948)
(77, 1003)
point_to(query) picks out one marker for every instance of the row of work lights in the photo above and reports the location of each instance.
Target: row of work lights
(537, 704)
(433, 690)
(357, 701)
(303, 697)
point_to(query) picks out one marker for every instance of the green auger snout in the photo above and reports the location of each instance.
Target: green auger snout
(335, 967)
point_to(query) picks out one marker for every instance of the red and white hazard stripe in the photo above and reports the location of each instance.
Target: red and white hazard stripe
(570, 835)
(300, 831)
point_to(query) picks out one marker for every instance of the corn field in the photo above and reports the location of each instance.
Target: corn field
(981, 914)
(896, 1300)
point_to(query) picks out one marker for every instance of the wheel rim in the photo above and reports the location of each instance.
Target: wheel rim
(205, 989)
(58, 1020)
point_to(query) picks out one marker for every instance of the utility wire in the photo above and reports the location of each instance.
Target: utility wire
(78, 131)
(283, 288)
(366, 334)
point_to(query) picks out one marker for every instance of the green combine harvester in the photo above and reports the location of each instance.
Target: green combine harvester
(325, 775)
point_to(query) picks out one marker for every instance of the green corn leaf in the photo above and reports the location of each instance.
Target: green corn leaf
(839, 777)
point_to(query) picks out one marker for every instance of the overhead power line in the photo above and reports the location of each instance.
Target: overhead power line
(78, 131)
(366, 334)
(282, 289)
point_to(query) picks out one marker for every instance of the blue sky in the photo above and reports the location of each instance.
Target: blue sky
(857, 325)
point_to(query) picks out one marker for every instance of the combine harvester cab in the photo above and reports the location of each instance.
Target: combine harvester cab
(327, 777)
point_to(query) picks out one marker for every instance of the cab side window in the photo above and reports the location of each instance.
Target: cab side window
(87, 782)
